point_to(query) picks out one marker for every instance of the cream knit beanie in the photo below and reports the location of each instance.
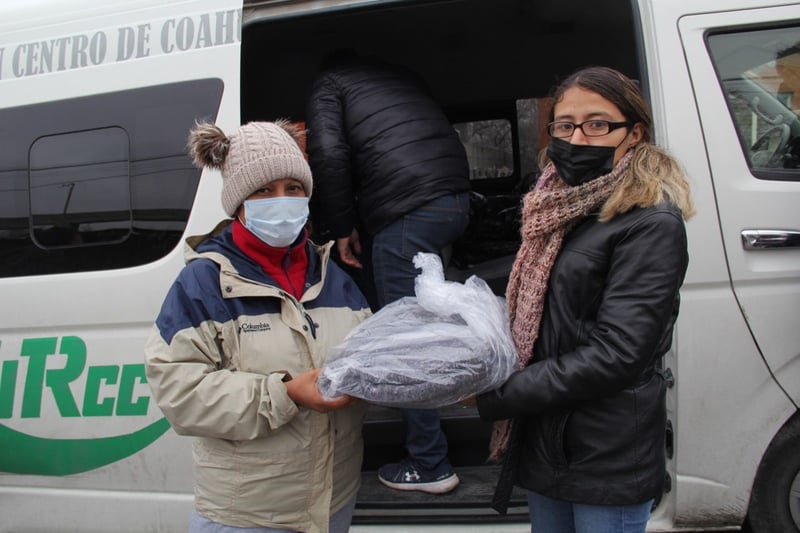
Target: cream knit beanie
(250, 158)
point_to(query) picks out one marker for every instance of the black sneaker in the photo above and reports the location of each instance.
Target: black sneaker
(407, 475)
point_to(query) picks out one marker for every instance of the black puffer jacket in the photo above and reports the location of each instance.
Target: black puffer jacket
(591, 404)
(379, 147)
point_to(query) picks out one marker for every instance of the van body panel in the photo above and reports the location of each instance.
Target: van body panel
(766, 281)
(71, 348)
(717, 342)
(711, 334)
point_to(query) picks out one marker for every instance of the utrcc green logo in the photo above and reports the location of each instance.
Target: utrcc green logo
(28, 454)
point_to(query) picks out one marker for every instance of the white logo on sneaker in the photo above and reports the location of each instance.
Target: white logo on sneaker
(411, 476)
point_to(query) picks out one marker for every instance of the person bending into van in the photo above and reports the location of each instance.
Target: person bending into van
(243, 332)
(592, 299)
(393, 180)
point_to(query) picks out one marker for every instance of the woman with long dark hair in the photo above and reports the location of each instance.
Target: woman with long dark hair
(592, 298)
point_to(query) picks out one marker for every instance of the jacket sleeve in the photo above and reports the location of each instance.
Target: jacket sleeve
(186, 373)
(638, 309)
(333, 202)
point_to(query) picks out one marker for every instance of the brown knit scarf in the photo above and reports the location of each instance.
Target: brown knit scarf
(548, 213)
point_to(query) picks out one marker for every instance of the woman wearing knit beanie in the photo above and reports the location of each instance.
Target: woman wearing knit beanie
(592, 299)
(235, 352)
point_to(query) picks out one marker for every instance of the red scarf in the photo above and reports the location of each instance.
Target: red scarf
(287, 266)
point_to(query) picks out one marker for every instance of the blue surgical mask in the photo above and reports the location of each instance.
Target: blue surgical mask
(276, 221)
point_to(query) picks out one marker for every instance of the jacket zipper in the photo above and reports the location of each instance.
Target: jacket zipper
(311, 325)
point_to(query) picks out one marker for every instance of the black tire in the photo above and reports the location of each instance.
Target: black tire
(775, 500)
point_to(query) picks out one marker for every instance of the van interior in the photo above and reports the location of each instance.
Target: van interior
(491, 65)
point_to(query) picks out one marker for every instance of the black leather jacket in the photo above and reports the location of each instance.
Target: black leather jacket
(379, 147)
(591, 404)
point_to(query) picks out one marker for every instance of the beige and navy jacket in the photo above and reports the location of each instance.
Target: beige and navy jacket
(225, 339)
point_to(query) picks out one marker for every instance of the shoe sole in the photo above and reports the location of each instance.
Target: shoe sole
(434, 487)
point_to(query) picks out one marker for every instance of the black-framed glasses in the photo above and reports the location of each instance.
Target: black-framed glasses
(590, 128)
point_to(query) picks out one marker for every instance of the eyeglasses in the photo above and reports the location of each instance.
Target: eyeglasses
(590, 128)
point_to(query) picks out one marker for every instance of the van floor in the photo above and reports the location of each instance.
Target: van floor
(470, 501)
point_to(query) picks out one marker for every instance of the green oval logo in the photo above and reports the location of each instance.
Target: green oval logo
(108, 391)
(26, 454)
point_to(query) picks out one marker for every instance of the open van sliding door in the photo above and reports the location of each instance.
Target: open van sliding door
(96, 195)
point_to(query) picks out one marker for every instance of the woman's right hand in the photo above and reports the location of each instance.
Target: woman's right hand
(303, 391)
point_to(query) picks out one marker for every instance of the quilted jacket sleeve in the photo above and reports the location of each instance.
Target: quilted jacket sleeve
(333, 202)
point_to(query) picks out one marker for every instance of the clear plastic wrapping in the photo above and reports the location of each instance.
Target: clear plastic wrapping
(449, 342)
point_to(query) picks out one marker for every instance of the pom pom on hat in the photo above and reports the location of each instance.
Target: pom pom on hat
(250, 158)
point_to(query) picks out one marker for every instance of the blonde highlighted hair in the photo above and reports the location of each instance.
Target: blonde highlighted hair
(653, 177)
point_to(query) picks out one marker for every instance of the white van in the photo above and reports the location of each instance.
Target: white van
(97, 194)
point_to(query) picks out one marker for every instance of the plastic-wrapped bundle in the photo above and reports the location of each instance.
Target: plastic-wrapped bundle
(446, 344)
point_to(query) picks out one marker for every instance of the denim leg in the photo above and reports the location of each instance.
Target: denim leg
(430, 228)
(612, 518)
(426, 442)
(341, 519)
(200, 524)
(339, 523)
(549, 515)
(557, 516)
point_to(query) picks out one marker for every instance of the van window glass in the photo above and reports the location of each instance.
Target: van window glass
(99, 182)
(489, 148)
(760, 73)
(532, 118)
(79, 187)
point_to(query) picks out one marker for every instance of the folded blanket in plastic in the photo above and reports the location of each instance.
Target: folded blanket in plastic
(449, 342)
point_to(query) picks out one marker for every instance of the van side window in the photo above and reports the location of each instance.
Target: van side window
(99, 182)
(489, 148)
(503, 143)
(760, 73)
(490, 144)
(80, 189)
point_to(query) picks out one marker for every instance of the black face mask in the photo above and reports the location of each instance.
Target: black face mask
(579, 163)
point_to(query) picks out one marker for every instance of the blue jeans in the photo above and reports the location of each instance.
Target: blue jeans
(430, 228)
(339, 523)
(558, 516)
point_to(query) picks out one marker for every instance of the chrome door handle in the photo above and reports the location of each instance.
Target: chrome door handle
(761, 239)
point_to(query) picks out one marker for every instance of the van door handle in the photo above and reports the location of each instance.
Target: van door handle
(761, 239)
